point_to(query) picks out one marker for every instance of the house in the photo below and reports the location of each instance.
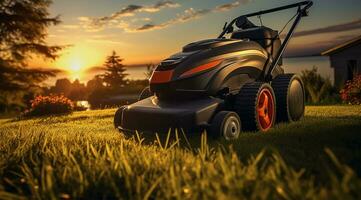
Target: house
(345, 59)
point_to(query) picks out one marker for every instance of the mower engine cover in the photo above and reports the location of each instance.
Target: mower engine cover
(206, 67)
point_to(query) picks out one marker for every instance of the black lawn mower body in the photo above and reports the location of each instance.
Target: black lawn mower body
(223, 85)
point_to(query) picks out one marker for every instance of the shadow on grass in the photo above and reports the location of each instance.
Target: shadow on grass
(302, 144)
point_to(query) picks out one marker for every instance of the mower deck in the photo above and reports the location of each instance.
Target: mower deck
(152, 115)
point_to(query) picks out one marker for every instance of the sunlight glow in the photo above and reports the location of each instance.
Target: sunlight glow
(78, 59)
(75, 70)
(75, 66)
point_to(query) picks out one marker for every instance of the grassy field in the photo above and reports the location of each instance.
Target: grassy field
(82, 156)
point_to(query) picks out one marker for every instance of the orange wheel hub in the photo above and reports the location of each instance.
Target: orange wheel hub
(265, 109)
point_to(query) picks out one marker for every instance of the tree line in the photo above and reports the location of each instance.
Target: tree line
(110, 88)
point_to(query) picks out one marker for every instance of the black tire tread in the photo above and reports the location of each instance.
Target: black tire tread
(245, 105)
(281, 86)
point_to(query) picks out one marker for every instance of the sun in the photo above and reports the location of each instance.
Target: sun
(78, 59)
(75, 69)
(75, 66)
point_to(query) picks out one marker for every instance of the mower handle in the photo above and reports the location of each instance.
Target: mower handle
(307, 4)
(303, 12)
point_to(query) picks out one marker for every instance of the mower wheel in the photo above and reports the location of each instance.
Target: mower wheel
(118, 121)
(145, 94)
(226, 124)
(118, 117)
(255, 104)
(290, 95)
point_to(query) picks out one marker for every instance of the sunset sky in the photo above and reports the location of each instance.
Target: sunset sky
(144, 31)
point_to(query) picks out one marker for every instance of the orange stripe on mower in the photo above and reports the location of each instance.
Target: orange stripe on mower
(161, 76)
(201, 68)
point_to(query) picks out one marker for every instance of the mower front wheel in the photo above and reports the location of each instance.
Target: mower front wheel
(118, 117)
(118, 122)
(226, 124)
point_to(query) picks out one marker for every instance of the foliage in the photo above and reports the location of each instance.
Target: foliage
(96, 93)
(23, 30)
(317, 88)
(50, 105)
(62, 86)
(114, 76)
(111, 88)
(108, 97)
(95, 84)
(81, 156)
(75, 90)
(351, 93)
(78, 92)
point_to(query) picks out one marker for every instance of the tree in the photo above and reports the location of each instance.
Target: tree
(114, 76)
(95, 83)
(62, 86)
(23, 30)
(78, 91)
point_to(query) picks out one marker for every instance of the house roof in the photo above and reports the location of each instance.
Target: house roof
(343, 46)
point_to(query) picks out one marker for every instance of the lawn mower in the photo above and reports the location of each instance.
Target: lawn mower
(225, 85)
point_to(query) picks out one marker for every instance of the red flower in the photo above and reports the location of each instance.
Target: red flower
(351, 93)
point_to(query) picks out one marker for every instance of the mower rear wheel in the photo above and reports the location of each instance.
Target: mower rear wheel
(290, 95)
(226, 124)
(145, 94)
(256, 106)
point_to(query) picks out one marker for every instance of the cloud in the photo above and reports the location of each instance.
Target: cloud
(130, 10)
(316, 47)
(117, 19)
(229, 6)
(105, 41)
(95, 69)
(149, 27)
(348, 26)
(144, 19)
(189, 14)
(69, 26)
(87, 24)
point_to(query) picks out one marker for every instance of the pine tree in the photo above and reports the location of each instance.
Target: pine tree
(114, 76)
(23, 30)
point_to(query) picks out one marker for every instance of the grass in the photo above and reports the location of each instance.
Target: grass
(82, 156)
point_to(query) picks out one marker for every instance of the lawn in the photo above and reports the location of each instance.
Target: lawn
(82, 156)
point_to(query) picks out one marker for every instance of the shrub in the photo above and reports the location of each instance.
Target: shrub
(351, 93)
(317, 88)
(50, 105)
